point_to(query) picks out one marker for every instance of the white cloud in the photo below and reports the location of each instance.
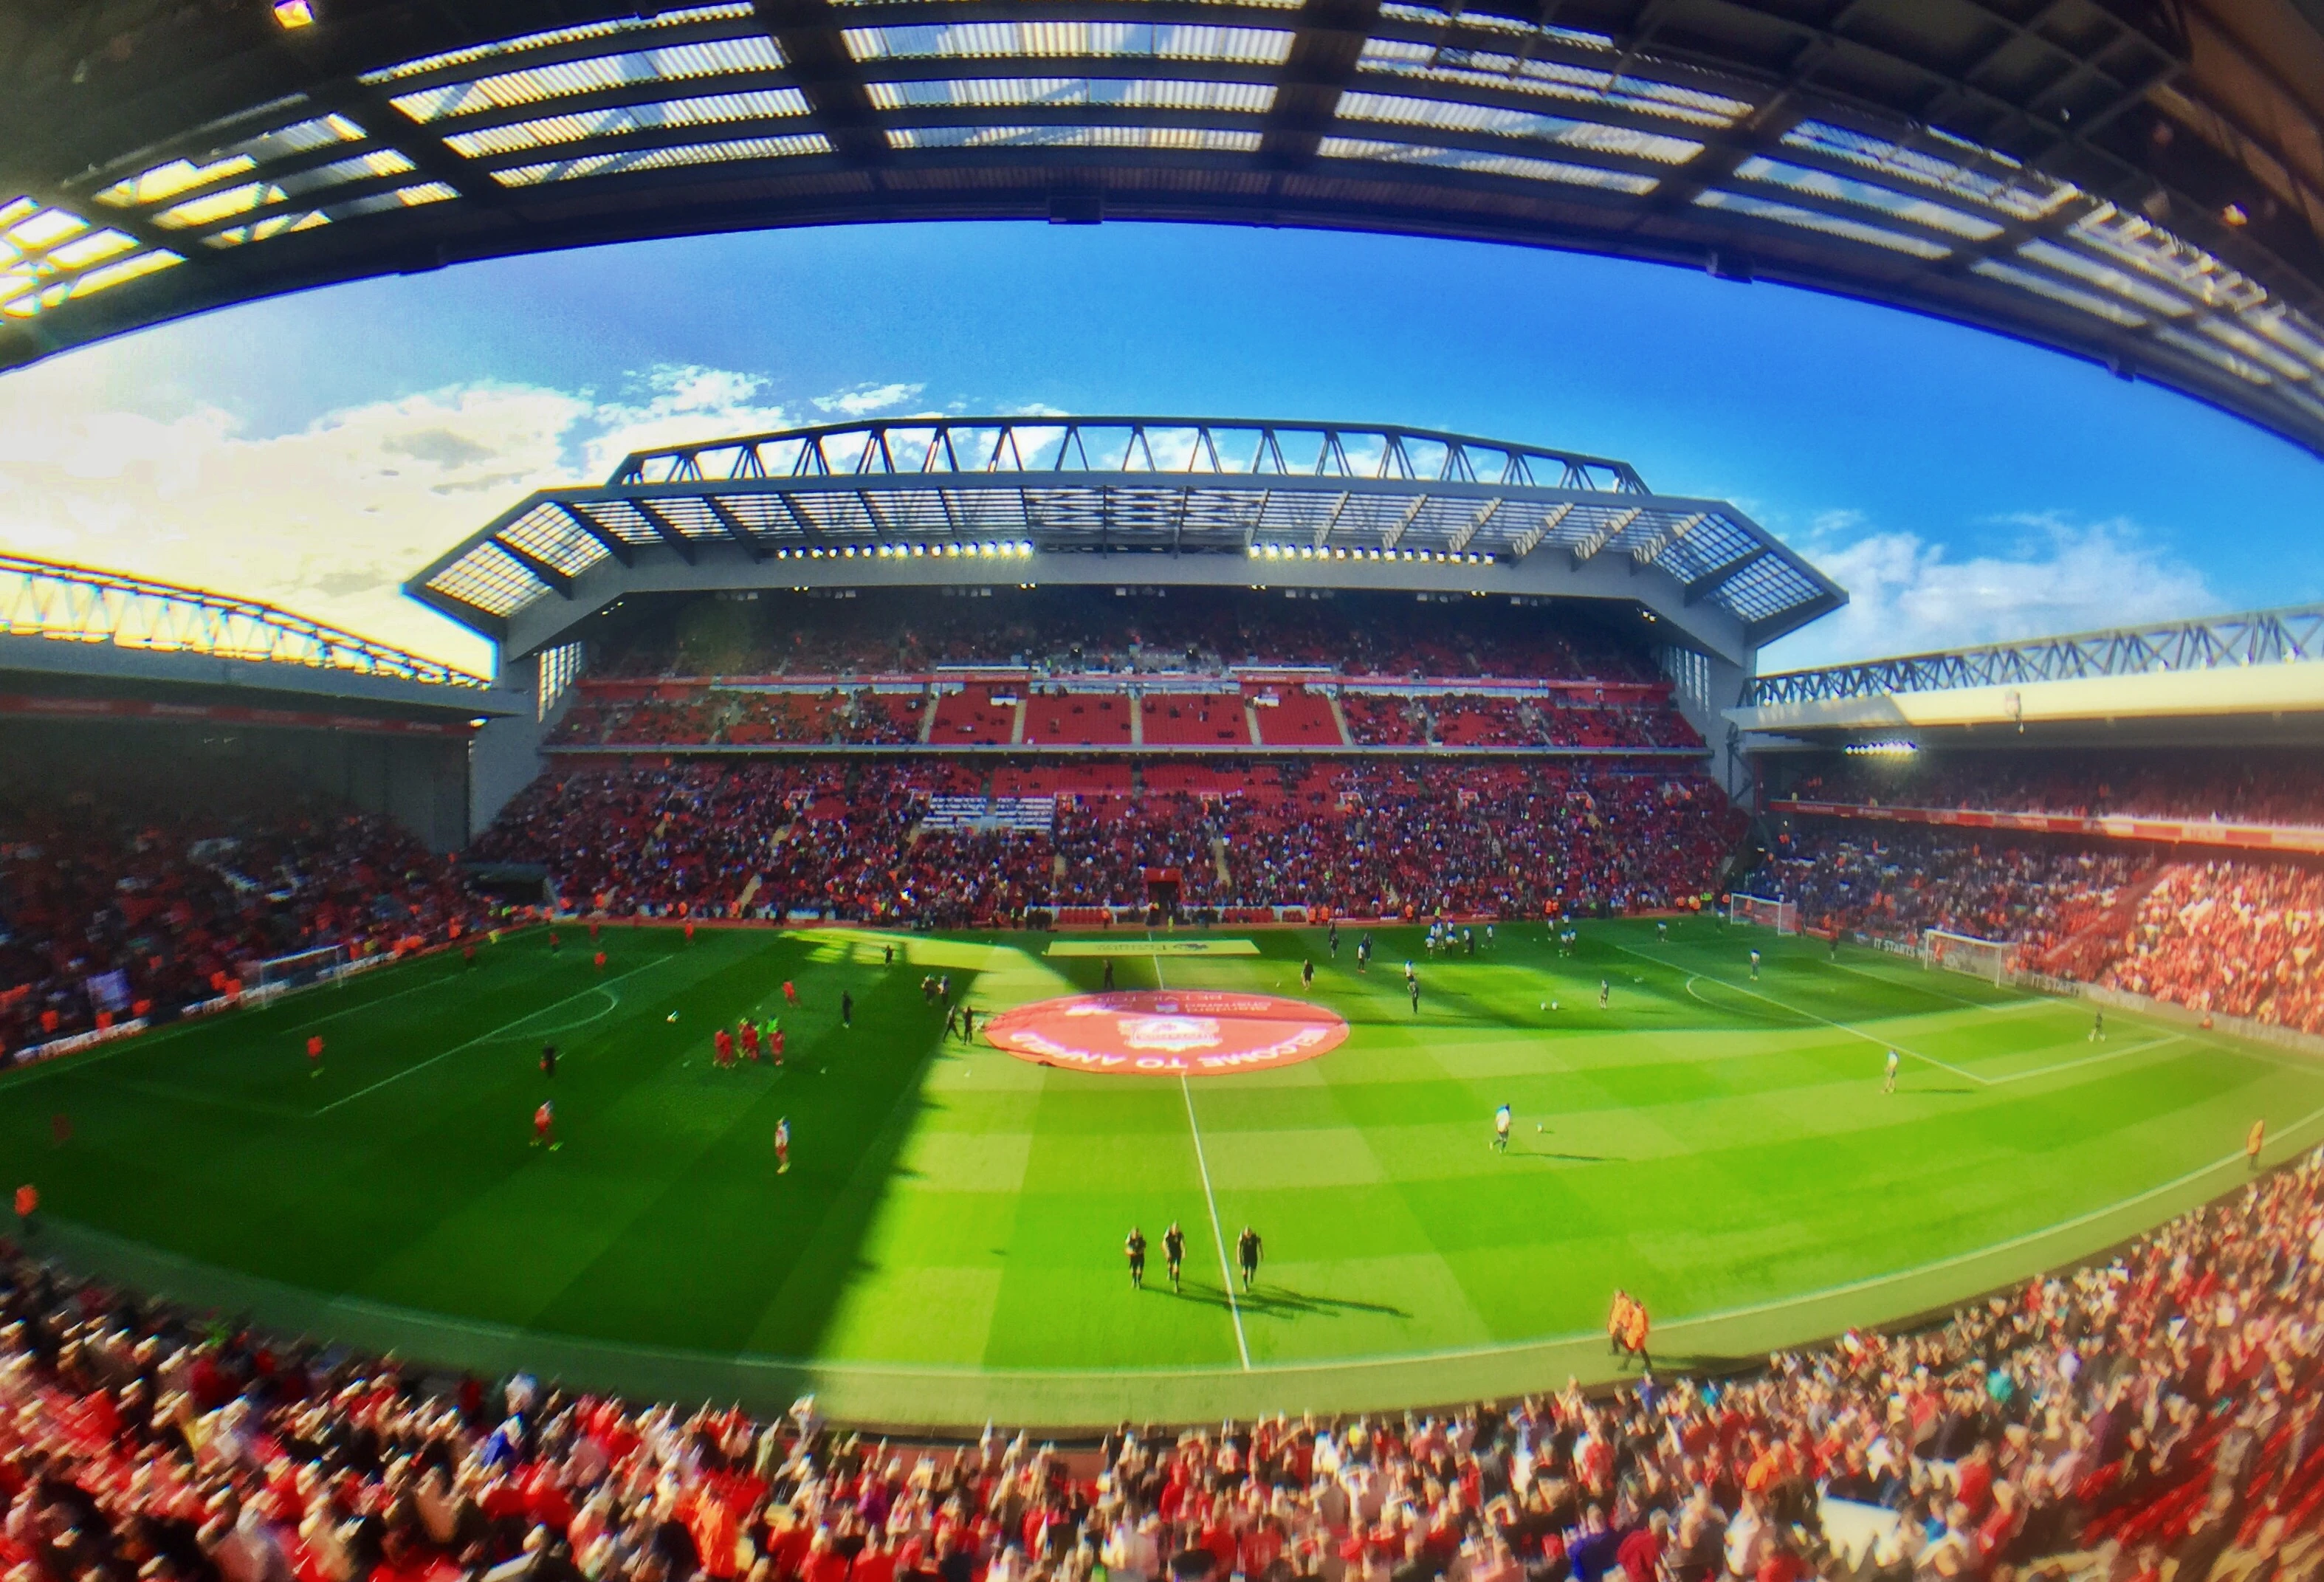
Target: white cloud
(328, 520)
(862, 401)
(1909, 596)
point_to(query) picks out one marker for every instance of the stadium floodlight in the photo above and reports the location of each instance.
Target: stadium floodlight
(1883, 749)
(291, 15)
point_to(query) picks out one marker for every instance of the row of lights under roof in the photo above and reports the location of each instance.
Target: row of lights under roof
(1017, 550)
(1309, 552)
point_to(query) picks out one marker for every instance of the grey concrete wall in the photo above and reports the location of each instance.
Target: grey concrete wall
(504, 757)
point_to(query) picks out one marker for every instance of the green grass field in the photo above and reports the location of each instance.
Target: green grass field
(947, 1246)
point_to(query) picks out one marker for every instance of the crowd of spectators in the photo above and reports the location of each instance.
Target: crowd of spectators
(129, 896)
(2245, 785)
(2241, 938)
(2238, 936)
(1074, 630)
(701, 714)
(2152, 1418)
(1898, 880)
(763, 838)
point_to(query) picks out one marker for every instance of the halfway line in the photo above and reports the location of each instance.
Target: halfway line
(483, 1037)
(1218, 1236)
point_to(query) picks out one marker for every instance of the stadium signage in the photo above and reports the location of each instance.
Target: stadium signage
(73, 1043)
(1167, 1033)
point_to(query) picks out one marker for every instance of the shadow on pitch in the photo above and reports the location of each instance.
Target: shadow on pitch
(1279, 1301)
(1555, 1157)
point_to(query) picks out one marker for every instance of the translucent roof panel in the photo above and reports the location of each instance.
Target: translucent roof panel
(1453, 116)
(1192, 138)
(543, 85)
(525, 44)
(1808, 219)
(1486, 164)
(1584, 85)
(546, 533)
(709, 111)
(1960, 171)
(1868, 195)
(973, 41)
(667, 157)
(1127, 93)
(51, 256)
(490, 580)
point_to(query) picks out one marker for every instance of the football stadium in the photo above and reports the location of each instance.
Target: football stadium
(1054, 997)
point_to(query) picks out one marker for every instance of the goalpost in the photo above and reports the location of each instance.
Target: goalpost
(1990, 959)
(295, 970)
(1782, 916)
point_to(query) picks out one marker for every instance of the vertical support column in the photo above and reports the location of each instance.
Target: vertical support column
(504, 757)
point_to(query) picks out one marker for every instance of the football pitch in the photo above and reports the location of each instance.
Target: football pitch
(947, 1247)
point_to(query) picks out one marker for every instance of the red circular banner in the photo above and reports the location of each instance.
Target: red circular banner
(1167, 1033)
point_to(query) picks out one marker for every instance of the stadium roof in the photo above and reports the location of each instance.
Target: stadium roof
(1022, 501)
(2137, 182)
(73, 626)
(2252, 676)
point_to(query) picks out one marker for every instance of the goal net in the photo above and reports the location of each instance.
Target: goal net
(1782, 916)
(1990, 959)
(294, 971)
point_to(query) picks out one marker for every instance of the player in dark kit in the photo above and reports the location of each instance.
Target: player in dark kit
(1174, 1251)
(548, 1060)
(846, 1010)
(1108, 972)
(1247, 1254)
(1307, 973)
(1136, 1247)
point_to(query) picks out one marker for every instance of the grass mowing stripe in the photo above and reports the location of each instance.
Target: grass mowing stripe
(1218, 1236)
(2088, 1060)
(487, 1037)
(1810, 1016)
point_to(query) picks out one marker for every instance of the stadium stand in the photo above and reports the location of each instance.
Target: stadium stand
(2154, 1416)
(1364, 839)
(2283, 786)
(138, 899)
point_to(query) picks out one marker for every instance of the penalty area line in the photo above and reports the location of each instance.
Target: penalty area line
(484, 1037)
(1810, 1016)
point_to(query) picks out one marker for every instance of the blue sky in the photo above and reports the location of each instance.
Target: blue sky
(314, 449)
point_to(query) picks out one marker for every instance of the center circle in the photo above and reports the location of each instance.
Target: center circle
(1167, 1032)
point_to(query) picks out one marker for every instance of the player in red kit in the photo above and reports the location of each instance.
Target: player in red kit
(689, 931)
(601, 962)
(315, 1054)
(722, 1048)
(544, 1121)
(791, 993)
(750, 1040)
(775, 1046)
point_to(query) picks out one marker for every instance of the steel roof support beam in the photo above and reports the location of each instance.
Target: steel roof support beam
(1719, 576)
(1614, 527)
(607, 539)
(1654, 548)
(808, 32)
(1395, 535)
(1463, 535)
(736, 528)
(1527, 542)
(543, 573)
(668, 529)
